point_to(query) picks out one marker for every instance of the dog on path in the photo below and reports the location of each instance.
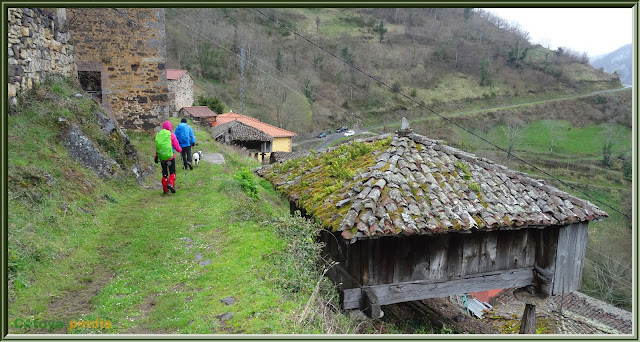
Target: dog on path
(196, 157)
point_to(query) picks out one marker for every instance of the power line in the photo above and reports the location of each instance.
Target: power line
(304, 60)
(441, 116)
(609, 258)
(223, 47)
(268, 65)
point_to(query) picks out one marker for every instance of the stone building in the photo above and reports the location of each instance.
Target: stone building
(180, 84)
(121, 58)
(39, 48)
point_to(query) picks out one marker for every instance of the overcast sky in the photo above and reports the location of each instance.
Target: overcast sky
(594, 30)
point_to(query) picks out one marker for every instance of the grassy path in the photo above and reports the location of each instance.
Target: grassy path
(153, 263)
(161, 247)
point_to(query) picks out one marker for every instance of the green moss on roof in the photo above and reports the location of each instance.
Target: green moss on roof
(352, 174)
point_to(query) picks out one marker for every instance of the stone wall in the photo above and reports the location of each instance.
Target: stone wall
(127, 46)
(180, 93)
(39, 48)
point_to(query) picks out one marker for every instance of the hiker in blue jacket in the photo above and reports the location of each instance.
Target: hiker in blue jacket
(185, 136)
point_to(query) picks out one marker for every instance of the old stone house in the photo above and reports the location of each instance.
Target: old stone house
(180, 85)
(39, 48)
(279, 139)
(201, 115)
(409, 218)
(121, 58)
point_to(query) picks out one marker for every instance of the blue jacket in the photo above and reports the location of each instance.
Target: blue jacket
(185, 136)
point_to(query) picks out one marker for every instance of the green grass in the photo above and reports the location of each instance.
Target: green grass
(569, 140)
(126, 260)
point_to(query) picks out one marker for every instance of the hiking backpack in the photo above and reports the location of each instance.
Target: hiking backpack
(163, 145)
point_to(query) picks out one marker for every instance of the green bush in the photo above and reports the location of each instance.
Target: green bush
(300, 258)
(212, 102)
(396, 86)
(247, 182)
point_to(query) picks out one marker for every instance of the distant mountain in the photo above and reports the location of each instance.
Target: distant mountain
(619, 60)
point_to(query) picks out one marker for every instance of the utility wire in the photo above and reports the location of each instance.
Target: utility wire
(223, 47)
(271, 67)
(302, 59)
(607, 257)
(441, 116)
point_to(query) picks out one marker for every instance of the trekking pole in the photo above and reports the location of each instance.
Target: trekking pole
(184, 165)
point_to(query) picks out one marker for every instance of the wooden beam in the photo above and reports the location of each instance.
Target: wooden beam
(418, 290)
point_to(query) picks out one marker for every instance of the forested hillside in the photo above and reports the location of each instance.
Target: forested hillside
(434, 56)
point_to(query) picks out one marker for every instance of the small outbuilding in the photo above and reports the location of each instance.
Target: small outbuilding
(237, 133)
(279, 140)
(409, 218)
(201, 115)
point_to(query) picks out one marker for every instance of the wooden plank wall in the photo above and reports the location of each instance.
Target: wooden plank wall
(439, 257)
(556, 251)
(572, 243)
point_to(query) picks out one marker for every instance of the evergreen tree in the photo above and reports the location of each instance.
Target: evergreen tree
(212, 102)
(279, 61)
(381, 30)
(485, 75)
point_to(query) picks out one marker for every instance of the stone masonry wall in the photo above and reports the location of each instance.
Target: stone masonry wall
(180, 93)
(39, 48)
(128, 47)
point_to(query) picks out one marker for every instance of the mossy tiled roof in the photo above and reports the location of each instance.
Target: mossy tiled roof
(239, 131)
(407, 184)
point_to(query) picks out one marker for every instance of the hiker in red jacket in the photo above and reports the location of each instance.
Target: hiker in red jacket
(166, 142)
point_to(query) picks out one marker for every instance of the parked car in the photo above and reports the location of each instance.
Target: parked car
(349, 133)
(342, 129)
(322, 135)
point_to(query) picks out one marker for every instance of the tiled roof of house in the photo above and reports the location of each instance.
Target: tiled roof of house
(407, 184)
(200, 111)
(174, 74)
(239, 132)
(273, 131)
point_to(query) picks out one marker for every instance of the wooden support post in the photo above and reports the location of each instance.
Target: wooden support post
(532, 297)
(371, 306)
(528, 323)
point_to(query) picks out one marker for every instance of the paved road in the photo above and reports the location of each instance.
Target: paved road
(330, 138)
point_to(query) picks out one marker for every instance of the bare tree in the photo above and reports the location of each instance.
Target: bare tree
(513, 131)
(609, 135)
(279, 96)
(555, 134)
